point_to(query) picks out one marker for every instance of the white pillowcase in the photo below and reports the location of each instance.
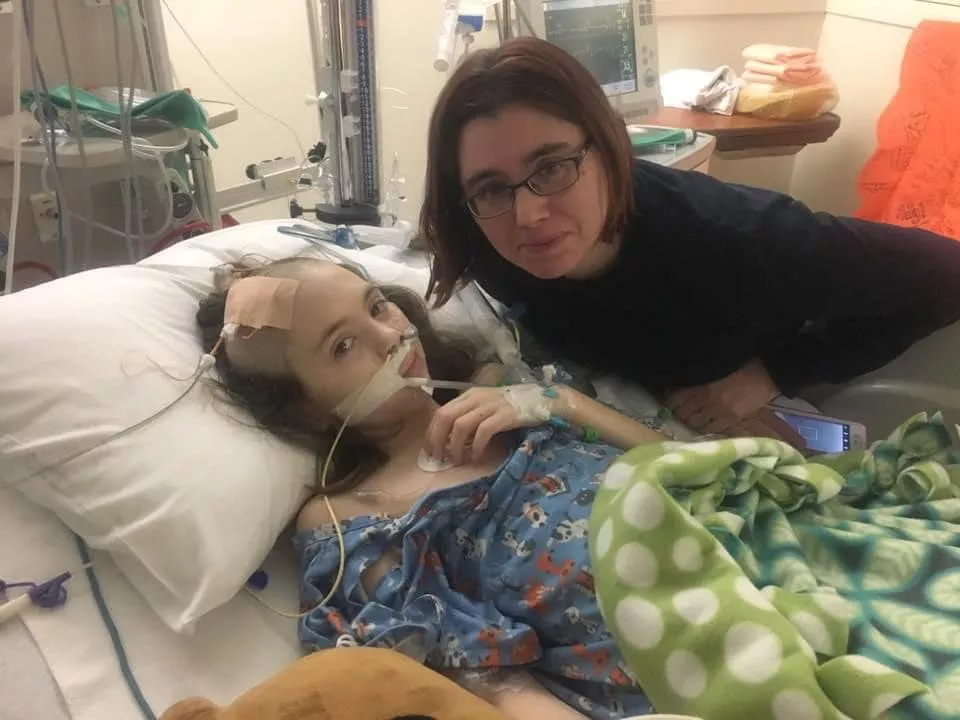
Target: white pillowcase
(189, 502)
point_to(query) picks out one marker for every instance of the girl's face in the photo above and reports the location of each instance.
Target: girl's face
(344, 330)
(552, 234)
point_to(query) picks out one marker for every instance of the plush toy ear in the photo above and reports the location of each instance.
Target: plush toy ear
(412, 717)
(192, 709)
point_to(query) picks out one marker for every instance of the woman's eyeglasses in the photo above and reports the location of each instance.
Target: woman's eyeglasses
(551, 178)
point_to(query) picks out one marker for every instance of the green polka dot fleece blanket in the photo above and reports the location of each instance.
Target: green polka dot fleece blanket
(857, 561)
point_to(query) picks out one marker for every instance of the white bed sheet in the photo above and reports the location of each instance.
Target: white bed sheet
(26, 686)
(231, 650)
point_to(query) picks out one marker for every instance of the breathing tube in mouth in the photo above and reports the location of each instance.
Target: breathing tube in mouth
(384, 384)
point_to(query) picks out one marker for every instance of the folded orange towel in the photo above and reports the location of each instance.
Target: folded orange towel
(762, 72)
(780, 54)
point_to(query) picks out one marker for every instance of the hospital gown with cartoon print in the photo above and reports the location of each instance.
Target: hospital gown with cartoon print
(494, 573)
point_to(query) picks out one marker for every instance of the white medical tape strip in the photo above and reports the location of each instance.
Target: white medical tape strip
(385, 383)
(529, 402)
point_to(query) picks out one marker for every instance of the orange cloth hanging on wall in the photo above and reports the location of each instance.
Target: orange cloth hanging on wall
(913, 177)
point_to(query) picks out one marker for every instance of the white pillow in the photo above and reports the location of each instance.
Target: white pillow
(261, 240)
(190, 502)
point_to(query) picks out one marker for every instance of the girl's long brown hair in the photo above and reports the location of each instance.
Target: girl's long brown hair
(280, 405)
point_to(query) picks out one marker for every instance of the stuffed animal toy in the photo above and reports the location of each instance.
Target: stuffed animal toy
(347, 684)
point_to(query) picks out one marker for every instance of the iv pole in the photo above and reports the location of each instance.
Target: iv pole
(345, 80)
(342, 39)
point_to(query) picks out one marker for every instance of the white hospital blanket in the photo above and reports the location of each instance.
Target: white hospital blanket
(231, 650)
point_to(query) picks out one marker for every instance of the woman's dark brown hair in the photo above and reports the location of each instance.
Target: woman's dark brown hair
(528, 72)
(280, 404)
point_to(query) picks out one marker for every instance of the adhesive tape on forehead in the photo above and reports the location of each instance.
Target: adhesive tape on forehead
(385, 383)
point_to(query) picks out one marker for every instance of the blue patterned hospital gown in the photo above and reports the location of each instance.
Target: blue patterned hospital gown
(495, 573)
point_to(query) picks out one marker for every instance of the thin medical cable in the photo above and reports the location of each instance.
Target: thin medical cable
(126, 125)
(77, 133)
(338, 528)
(206, 362)
(229, 86)
(399, 92)
(524, 18)
(445, 384)
(141, 44)
(16, 62)
(141, 147)
(124, 136)
(467, 44)
(145, 145)
(155, 235)
(134, 68)
(42, 91)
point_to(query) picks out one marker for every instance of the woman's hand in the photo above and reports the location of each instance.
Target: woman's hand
(718, 407)
(766, 423)
(462, 429)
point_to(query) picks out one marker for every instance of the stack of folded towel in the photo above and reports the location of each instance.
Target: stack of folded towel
(781, 65)
(785, 83)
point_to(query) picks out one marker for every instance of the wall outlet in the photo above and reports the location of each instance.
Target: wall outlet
(6, 6)
(46, 216)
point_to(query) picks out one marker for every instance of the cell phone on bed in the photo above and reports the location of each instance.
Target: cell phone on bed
(825, 434)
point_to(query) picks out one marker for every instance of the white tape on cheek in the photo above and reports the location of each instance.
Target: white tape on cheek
(529, 402)
(386, 383)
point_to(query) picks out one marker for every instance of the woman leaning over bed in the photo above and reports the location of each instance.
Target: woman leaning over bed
(714, 297)
(480, 576)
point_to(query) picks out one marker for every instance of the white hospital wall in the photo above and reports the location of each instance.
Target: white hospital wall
(692, 33)
(862, 45)
(264, 52)
(711, 33)
(407, 44)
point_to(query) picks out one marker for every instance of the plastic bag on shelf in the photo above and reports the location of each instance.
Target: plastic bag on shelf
(788, 102)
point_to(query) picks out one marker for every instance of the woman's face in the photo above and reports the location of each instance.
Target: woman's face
(343, 332)
(548, 236)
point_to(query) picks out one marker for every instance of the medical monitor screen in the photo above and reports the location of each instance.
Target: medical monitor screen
(600, 34)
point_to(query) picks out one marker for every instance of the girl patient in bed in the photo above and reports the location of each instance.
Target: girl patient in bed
(464, 524)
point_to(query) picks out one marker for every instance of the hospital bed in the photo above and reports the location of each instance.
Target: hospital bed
(126, 364)
(64, 663)
(923, 378)
(61, 664)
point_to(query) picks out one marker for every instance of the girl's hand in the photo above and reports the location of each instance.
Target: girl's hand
(462, 429)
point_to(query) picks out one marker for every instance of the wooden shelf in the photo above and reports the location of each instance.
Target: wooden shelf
(741, 135)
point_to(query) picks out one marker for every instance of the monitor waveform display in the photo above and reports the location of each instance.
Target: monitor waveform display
(600, 34)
